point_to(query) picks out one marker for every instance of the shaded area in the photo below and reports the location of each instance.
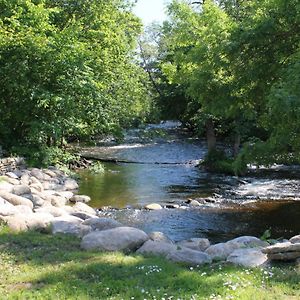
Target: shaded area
(40, 266)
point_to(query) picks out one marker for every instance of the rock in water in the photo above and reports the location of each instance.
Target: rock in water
(153, 206)
(249, 257)
(116, 239)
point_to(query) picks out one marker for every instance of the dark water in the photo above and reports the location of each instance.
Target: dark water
(165, 172)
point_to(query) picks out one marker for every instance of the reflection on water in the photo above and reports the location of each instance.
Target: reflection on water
(166, 173)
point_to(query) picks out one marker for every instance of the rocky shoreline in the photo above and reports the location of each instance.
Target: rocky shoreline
(46, 200)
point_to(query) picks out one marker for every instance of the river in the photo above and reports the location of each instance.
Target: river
(162, 168)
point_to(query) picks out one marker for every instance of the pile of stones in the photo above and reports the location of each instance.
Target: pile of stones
(46, 200)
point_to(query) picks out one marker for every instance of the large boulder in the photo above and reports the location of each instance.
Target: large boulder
(223, 250)
(199, 244)
(15, 200)
(82, 207)
(102, 223)
(69, 225)
(156, 248)
(248, 257)
(189, 256)
(283, 251)
(23, 222)
(116, 239)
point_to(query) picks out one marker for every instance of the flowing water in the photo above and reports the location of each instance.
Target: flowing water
(162, 168)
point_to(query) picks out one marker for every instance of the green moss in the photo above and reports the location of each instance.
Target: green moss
(41, 266)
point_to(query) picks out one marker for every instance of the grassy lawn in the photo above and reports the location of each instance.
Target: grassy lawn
(42, 266)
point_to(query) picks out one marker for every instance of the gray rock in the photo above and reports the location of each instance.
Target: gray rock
(15, 200)
(249, 257)
(54, 211)
(24, 222)
(25, 179)
(116, 239)
(282, 247)
(21, 190)
(78, 230)
(159, 237)
(153, 206)
(57, 200)
(37, 186)
(249, 241)
(70, 185)
(80, 198)
(223, 250)
(295, 239)
(66, 194)
(52, 186)
(199, 244)
(156, 248)
(39, 174)
(24, 209)
(102, 223)
(6, 186)
(195, 203)
(50, 173)
(189, 256)
(11, 180)
(6, 208)
(37, 201)
(82, 207)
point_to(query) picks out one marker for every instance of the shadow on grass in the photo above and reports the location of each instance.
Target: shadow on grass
(54, 267)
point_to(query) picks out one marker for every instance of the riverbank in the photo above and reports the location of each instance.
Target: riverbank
(46, 200)
(43, 266)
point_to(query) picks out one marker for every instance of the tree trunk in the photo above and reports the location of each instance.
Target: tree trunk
(210, 135)
(236, 146)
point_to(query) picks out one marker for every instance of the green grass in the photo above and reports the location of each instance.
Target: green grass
(41, 266)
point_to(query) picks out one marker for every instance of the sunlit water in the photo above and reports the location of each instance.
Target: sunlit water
(163, 170)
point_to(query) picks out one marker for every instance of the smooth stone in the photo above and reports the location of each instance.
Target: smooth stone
(6, 186)
(25, 179)
(23, 222)
(156, 248)
(102, 223)
(6, 208)
(199, 244)
(82, 207)
(37, 186)
(195, 203)
(295, 239)
(23, 209)
(80, 198)
(52, 186)
(221, 251)
(54, 211)
(70, 185)
(11, 180)
(69, 225)
(249, 241)
(37, 201)
(249, 257)
(153, 206)
(56, 200)
(189, 256)
(15, 200)
(50, 173)
(278, 247)
(66, 194)
(116, 239)
(39, 174)
(21, 190)
(158, 236)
